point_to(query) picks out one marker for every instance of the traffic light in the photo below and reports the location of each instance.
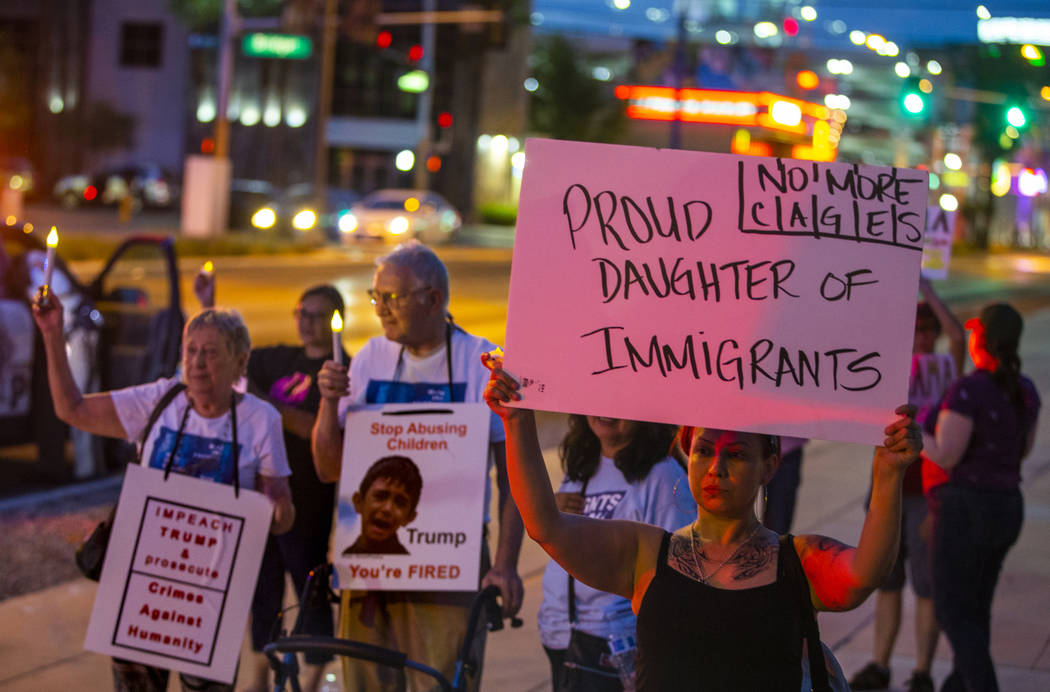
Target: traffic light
(1016, 117)
(913, 101)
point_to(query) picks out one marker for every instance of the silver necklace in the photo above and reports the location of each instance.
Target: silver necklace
(704, 577)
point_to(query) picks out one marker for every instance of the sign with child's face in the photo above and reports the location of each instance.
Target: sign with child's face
(179, 575)
(411, 497)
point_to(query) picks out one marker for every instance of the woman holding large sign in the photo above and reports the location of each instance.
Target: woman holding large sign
(716, 607)
(201, 427)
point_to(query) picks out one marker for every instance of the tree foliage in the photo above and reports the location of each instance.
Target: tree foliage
(570, 103)
(205, 14)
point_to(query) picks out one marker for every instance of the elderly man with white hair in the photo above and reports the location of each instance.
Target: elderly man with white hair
(422, 356)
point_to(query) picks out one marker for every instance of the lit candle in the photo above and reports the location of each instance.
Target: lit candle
(494, 358)
(49, 262)
(337, 329)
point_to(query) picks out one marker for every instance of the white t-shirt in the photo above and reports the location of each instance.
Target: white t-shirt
(652, 500)
(206, 448)
(375, 379)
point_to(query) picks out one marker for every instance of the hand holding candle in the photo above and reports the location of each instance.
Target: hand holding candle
(49, 269)
(337, 330)
(204, 285)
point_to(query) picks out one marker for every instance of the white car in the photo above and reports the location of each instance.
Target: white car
(395, 215)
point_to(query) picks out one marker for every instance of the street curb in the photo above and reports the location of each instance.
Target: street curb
(44, 496)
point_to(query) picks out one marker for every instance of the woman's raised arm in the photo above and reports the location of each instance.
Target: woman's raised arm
(841, 576)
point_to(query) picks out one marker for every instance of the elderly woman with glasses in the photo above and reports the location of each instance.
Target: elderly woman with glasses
(716, 606)
(207, 429)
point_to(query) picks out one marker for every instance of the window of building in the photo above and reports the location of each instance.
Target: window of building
(141, 44)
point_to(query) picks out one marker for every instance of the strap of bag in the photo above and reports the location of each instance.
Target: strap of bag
(818, 671)
(155, 414)
(572, 582)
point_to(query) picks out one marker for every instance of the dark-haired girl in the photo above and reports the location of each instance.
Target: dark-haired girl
(985, 427)
(614, 469)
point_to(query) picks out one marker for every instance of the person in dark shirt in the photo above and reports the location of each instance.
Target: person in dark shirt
(386, 500)
(286, 376)
(984, 429)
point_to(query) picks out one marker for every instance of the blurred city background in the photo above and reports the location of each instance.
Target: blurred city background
(291, 142)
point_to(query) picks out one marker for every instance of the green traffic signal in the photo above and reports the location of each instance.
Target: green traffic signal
(1016, 117)
(913, 103)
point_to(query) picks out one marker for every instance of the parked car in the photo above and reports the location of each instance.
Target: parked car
(393, 215)
(146, 184)
(253, 203)
(123, 327)
(17, 173)
(299, 208)
(259, 204)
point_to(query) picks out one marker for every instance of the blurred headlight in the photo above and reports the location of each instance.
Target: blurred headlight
(304, 220)
(347, 222)
(264, 218)
(398, 225)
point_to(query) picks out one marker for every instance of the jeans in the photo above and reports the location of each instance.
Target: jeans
(973, 530)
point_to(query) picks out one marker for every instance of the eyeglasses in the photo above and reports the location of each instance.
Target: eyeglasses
(301, 314)
(394, 300)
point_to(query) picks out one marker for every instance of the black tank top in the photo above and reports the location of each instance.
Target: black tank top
(692, 636)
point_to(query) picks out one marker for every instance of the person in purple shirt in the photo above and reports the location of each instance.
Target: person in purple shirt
(984, 428)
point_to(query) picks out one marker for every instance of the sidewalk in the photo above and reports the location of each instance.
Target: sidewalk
(41, 634)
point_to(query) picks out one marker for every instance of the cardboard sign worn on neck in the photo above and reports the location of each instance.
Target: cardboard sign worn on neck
(179, 575)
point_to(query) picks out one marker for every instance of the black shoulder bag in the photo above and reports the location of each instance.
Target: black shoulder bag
(92, 552)
(585, 667)
(816, 675)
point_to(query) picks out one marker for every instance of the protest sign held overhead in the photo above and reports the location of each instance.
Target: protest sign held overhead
(736, 292)
(179, 575)
(937, 243)
(411, 497)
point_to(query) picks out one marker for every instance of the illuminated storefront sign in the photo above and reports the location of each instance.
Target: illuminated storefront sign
(1014, 30)
(761, 109)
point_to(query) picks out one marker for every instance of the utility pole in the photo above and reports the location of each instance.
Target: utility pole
(679, 79)
(426, 99)
(206, 179)
(222, 123)
(329, 23)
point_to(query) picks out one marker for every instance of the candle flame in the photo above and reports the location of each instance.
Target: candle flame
(208, 267)
(337, 322)
(52, 237)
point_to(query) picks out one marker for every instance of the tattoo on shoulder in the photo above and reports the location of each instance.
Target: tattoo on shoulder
(753, 558)
(825, 544)
(680, 557)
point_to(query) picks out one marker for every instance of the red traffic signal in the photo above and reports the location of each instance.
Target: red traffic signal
(445, 119)
(415, 53)
(384, 39)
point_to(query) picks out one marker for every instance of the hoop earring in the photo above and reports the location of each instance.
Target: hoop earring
(760, 503)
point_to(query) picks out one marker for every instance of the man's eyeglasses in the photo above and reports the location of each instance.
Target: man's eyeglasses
(394, 300)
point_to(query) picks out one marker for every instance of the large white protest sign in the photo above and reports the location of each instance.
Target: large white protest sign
(411, 497)
(937, 243)
(736, 292)
(179, 574)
